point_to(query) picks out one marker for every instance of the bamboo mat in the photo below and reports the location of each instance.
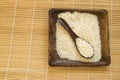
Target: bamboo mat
(24, 41)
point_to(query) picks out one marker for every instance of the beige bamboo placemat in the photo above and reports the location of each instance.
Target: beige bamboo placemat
(24, 41)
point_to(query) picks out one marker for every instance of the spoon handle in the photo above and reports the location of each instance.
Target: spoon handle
(67, 27)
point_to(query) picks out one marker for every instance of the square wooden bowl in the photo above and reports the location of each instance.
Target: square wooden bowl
(55, 60)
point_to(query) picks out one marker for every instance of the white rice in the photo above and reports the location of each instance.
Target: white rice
(86, 26)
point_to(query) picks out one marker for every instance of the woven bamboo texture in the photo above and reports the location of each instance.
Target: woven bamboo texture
(24, 41)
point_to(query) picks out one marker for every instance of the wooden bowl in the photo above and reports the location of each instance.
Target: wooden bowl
(55, 60)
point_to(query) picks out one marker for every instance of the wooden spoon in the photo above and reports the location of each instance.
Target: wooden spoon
(85, 49)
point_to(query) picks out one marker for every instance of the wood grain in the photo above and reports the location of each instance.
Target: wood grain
(38, 68)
